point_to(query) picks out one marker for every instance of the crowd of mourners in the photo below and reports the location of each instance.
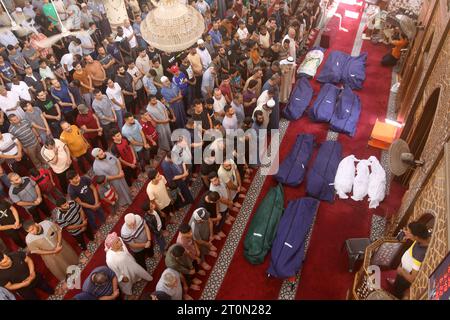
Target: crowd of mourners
(82, 118)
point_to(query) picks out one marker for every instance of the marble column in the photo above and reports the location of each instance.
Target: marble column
(116, 12)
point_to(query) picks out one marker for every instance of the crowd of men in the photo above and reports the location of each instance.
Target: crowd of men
(106, 101)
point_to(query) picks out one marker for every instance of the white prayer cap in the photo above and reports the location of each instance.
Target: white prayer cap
(290, 59)
(200, 214)
(200, 41)
(271, 103)
(130, 218)
(95, 152)
(164, 79)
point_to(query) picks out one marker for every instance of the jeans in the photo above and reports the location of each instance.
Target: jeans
(80, 237)
(93, 214)
(143, 157)
(34, 211)
(159, 239)
(119, 115)
(84, 158)
(140, 256)
(218, 227)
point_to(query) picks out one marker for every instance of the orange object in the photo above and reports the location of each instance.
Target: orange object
(382, 136)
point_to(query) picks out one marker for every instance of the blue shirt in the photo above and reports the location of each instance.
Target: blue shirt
(149, 85)
(100, 291)
(62, 95)
(216, 37)
(180, 81)
(7, 71)
(170, 170)
(133, 132)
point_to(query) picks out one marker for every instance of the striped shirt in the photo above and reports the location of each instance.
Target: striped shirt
(105, 289)
(137, 235)
(23, 132)
(70, 217)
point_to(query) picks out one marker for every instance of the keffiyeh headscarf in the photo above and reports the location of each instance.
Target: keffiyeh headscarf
(110, 239)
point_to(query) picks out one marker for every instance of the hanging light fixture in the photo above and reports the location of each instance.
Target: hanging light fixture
(172, 26)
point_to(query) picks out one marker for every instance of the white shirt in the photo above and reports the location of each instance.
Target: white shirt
(263, 98)
(292, 49)
(135, 73)
(205, 58)
(9, 105)
(86, 40)
(223, 192)
(116, 94)
(242, 33)
(75, 49)
(219, 105)
(22, 90)
(230, 123)
(128, 32)
(202, 6)
(7, 37)
(67, 59)
(7, 141)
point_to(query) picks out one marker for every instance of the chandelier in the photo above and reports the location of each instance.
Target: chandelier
(172, 26)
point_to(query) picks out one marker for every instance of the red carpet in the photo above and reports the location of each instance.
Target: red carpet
(324, 275)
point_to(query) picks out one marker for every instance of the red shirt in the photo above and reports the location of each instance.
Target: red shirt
(123, 150)
(226, 90)
(43, 180)
(149, 130)
(89, 121)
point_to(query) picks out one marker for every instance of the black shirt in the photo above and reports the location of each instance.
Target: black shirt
(125, 82)
(49, 107)
(17, 272)
(82, 191)
(210, 207)
(6, 215)
(203, 118)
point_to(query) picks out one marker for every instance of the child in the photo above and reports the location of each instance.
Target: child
(44, 179)
(156, 223)
(176, 196)
(106, 192)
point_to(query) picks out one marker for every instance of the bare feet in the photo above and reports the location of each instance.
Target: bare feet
(231, 218)
(213, 254)
(187, 297)
(205, 266)
(213, 248)
(217, 237)
(228, 222)
(202, 272)
(87, 253)
(221, 234)
(248, 181)
(194, 287)
(196, 281)
(237, 205)
(242, 196)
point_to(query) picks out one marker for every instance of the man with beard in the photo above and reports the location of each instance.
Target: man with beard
(125, 81)
(108, 165)
(60, 92)
(205, 57)
(159, 114)
(108, 62)
(70, 216)
(224, 62)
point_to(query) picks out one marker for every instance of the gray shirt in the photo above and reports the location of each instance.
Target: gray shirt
(200, 229)
(35, 117)
(103, 109)
(28, 53)
(25, 192)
